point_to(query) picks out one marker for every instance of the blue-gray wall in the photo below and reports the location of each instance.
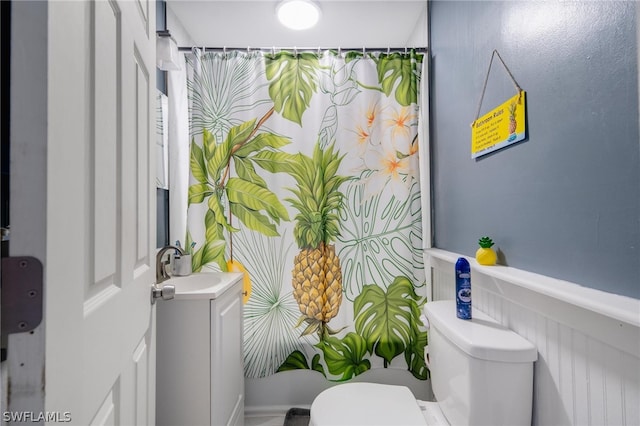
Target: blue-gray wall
(565, 202)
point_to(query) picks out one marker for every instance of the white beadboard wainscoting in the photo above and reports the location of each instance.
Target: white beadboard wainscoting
(588, 367)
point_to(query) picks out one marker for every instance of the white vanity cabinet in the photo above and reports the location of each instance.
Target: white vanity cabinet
(199, 361)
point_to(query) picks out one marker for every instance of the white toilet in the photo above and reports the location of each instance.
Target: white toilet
(481, 374)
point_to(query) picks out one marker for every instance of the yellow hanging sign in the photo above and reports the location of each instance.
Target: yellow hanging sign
(502, 126)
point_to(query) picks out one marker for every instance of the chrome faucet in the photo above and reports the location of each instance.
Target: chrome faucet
(161, 266)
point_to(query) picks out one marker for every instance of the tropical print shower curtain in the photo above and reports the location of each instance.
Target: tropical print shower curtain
(304, 173)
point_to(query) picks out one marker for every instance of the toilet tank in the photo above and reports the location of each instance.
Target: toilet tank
(481, 372)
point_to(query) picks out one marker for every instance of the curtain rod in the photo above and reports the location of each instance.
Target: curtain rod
(306, 49)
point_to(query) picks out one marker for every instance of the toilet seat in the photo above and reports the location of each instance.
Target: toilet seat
(354, 404)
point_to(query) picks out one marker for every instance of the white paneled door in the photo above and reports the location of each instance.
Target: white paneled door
(99, 196)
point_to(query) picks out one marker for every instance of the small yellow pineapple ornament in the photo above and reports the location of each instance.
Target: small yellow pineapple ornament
(485, 254)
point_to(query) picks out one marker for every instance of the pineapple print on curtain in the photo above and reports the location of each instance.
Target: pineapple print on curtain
(304, 173)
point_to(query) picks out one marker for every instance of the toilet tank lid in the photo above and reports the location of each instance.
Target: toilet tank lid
(481, 337)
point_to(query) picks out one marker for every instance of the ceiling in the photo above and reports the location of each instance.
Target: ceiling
(344, 23)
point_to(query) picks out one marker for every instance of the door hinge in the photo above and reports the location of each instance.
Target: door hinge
(22, 296)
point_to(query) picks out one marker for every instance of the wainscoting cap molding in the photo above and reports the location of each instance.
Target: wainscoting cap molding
(622, 308)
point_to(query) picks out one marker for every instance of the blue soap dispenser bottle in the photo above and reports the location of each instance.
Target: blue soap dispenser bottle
(463, 289)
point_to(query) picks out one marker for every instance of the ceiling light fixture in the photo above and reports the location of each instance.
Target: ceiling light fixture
(298, 14)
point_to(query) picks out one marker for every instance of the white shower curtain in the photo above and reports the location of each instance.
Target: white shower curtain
(305, 171)
(178, 151)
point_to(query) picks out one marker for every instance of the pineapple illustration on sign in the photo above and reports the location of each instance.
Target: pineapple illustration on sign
(485, 255)
(513, 124)
(317, 274)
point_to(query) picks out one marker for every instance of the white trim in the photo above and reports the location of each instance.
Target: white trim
(621, 308)
(270, 411)
(424, 152)
(29, 132)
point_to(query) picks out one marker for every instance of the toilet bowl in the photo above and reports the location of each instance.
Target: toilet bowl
(481, 374)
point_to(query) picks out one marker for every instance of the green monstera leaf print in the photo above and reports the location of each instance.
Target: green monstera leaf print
(414, 354)
(297, 361)
(292, 82)
(380, 239)
(396, 72)
(386, 319)
(345, 357)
